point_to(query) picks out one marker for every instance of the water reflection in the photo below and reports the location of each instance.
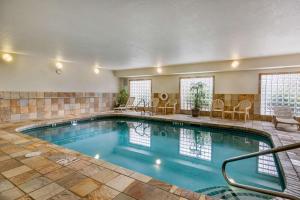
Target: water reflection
(266, 163)
(140, 133)
(196, 144)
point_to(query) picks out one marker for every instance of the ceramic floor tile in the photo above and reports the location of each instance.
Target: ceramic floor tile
(124, 171)
(160, 184)
(9, 164)
(16, 171)
(71, 180)
(22, 178)
(34, 184)
(103, 193)
(105, 175)
(141, 177)
(36, 162)
(65, 195)
(47, 192)
(4, 157)
(122, 196)
(25, 197)
(109, 165)
(11, 194)
(79, 165)
(84, 187)
(91, 170)
(59, 173)
(139, 190)
(48, 168)
(120, 183)
(5, 185)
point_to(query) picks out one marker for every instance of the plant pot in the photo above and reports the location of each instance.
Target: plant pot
(195, 112)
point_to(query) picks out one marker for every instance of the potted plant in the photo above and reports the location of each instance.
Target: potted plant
(199, 94)
(122, 97)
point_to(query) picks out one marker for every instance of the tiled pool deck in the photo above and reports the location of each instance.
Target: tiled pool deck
(42, 178)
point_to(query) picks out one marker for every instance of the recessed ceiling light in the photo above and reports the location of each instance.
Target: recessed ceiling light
(235, 64)
(7, 57)
(97, 70)
(59, 65)
(159, 70)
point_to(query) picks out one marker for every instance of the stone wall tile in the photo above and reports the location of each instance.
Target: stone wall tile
(40, 95)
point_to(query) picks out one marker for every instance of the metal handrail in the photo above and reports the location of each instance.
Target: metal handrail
(230, 181)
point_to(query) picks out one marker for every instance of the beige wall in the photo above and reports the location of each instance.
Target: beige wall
(242, 80)
(28, 73)
(237, 82)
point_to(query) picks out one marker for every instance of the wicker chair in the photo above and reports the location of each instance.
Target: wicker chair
(171, 104)
(284, 115)
(243, 107)
(217, 106)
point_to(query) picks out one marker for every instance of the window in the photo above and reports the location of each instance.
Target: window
(266, 163)
(280, 90)
(186, 96)
(141, 90)
(195, 144)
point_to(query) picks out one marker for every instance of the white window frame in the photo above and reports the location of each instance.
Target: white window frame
(279, 89)
(137, 94)
(187, 104)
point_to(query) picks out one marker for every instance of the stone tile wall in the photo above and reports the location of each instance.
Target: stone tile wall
(15, 106)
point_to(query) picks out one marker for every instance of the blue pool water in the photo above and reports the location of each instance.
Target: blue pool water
(184, 155)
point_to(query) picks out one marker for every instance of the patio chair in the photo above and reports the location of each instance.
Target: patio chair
(284, 115)
(154, 105)
(129, 105)
(243, 107)
(217, 106)
(171, 104)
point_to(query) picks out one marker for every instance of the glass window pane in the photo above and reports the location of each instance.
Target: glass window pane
(186, 96)
(141, 90)
(280, 90)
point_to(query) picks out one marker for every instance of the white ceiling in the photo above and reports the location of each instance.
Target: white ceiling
(122, 34)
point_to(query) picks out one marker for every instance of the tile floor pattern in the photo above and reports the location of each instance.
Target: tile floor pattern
(42, 178)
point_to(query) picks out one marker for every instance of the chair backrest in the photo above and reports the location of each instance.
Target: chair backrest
(244, 104)
(155, 102)
(217, 104)
(283, 111)
(130, 101)
(171, 102)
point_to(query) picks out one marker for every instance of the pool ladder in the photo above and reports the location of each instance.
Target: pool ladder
(231, 182)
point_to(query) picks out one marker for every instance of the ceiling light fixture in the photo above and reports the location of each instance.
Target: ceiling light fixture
(235, 64)
(159, 70)
(7, 57)
(59, 65)
(97, 69)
